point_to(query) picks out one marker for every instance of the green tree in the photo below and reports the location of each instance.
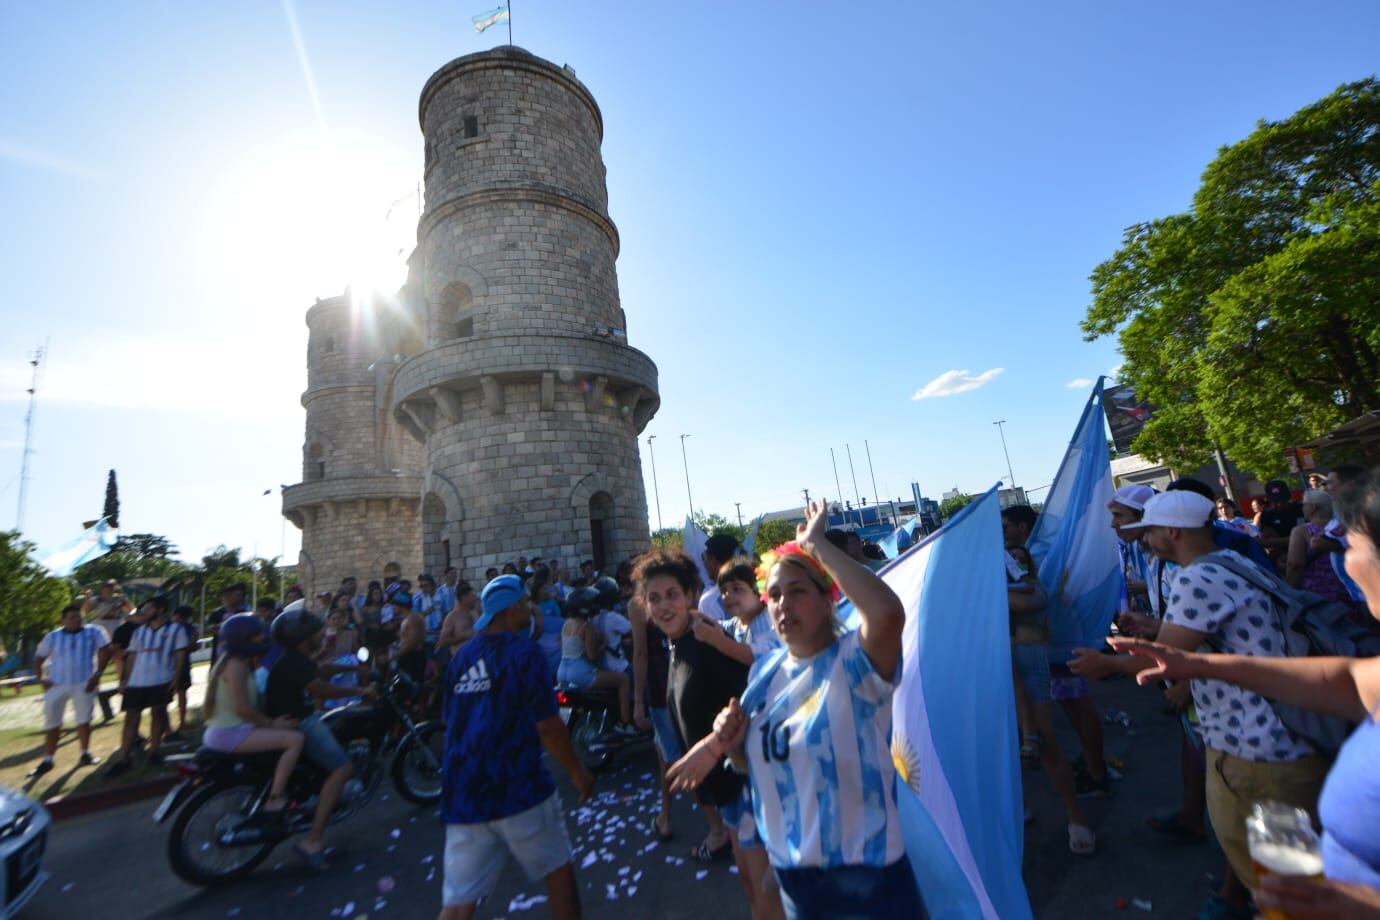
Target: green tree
(30, 598)
(954, 504)
(772, 534)
(136, 555)
(1252, 321)
(112, 501)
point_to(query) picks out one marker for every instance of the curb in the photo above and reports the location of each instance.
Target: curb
(65, 807)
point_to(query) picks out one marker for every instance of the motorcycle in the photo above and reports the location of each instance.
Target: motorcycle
(220, 833)
(590, 717)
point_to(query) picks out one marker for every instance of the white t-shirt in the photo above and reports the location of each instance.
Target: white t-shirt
(1208, 599)
(615, 628)
(155, 654)
(712, 605)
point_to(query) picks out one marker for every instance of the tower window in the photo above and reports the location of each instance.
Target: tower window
(328, 346)
(464, 328)
(471, 126)
(321, 469)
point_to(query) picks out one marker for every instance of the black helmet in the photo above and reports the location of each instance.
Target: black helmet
(582, 603)
(295, 624)
(609, 592)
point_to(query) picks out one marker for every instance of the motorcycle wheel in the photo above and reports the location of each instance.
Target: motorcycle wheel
(585, 737)
(193, 850)
(419, 764)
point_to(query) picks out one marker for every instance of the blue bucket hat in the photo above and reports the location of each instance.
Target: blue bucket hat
(497, 596)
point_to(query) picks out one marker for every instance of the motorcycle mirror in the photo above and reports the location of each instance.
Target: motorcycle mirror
(362, 655)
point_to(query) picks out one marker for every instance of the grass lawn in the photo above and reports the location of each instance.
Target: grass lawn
(22, 748)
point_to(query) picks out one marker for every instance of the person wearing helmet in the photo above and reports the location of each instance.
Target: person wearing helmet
(615, 627)
(582, 645)
(234, 724)
(295, 683)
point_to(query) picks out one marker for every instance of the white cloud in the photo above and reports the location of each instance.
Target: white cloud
(951, 383)
(1115, 372)
(38, 159)
(1080, 383)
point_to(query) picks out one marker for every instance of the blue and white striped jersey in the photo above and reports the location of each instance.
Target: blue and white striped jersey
(758, 635)
(72, 655)
(155, 654)
(818, 751)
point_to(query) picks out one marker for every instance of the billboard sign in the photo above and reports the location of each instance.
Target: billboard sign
(1126, 415)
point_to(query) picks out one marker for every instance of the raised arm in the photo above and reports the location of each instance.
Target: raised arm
(1344, 687)
(880, 610)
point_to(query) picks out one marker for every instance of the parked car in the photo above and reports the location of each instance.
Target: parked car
(23, 841)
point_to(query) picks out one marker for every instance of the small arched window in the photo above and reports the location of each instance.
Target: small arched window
(455, 313)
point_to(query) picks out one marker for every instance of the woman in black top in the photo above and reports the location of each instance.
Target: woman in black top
(700, 682)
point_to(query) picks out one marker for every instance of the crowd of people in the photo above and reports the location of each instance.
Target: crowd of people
(778, 720)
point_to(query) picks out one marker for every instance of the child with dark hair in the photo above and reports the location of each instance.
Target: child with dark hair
(182, 619)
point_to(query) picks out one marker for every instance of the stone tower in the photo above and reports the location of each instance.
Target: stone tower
(358, 504)
(525, 392)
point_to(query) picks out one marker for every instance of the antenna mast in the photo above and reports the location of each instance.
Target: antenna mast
(36, 362)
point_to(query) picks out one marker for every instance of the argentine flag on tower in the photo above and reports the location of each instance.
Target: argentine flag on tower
(1074, 546)
(953, 736)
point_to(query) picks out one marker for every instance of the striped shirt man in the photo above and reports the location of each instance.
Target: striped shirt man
(71, 654)
(818, 750)
(155, 651)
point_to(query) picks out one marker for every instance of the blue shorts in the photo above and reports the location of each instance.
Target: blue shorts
(738, 817)
(1032, 666)
(1065, 685)
(851, 893)
(321, 747)
(576, 672)
(664, 734)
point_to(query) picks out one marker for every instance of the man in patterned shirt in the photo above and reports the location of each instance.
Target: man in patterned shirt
(159, 651)
(1251, 755)
(76, 656)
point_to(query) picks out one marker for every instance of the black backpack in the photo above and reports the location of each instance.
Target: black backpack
(1312, 626)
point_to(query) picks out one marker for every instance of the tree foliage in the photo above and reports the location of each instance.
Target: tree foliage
(111, 512)
(954, 504)
(136, 555)
(1252, 321)
(30, 599)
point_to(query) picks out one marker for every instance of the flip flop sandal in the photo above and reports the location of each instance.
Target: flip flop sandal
(1171, 826)
(703, 854)
(1082, 840)
(315, 861)
(655, 828)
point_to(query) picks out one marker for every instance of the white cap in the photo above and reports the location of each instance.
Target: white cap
(1175, 509)
(1132, 496)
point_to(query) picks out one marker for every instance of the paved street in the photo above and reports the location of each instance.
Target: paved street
(114, 864)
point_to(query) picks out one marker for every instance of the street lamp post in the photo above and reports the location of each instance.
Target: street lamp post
(656, 489)
(1002, 431)
(686, 462)
(739, 506)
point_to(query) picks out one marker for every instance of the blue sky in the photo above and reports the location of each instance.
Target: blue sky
(823, 209)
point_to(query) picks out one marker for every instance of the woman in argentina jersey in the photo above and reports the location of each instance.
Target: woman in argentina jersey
(812, 731)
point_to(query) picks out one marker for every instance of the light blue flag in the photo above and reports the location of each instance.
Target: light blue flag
(958, 787)
(695, 541)
(1073, 543)
(93, 543)
(490, 18)
(900, 539)
(751, 539)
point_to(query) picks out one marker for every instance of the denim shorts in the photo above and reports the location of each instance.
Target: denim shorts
(321, 747)
(1032, 666)
(664, 734)
(851, 893)
(576, 672)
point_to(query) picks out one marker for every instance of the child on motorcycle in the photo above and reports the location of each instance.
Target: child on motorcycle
(294, 682)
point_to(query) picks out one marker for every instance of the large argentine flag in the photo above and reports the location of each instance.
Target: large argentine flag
(1073, 543)
(954, 737)
(94, 542)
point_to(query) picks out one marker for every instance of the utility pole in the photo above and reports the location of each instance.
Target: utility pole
(656, 489)
(852, 472)
(687, 476)
(739, 506)
(1002, 432)
(838, 489)
(36, 362)
(875, 493)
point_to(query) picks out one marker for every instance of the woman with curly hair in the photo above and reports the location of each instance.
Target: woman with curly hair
(813, 733)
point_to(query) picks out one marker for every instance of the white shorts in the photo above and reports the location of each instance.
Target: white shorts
(475, 853)
(55, 702)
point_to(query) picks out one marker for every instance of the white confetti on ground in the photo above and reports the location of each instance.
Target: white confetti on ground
(395, 833)
(68, 887)
(522, 902)
(699, 876)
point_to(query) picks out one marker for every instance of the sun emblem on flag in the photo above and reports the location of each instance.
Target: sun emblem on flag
(906, 761)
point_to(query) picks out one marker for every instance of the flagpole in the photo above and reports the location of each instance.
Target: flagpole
(510, 22)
